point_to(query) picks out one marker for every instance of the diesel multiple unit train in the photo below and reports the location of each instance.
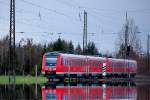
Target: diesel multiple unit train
(60, 64)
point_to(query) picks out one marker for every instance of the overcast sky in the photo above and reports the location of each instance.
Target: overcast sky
(39, 18)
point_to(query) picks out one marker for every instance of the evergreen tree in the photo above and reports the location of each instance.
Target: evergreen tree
(91, 49)
(60, 45)
(70, 48)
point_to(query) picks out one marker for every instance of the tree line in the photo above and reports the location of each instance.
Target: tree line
(29, 54)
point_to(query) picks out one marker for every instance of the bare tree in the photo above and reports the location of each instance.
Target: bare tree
(129, 37)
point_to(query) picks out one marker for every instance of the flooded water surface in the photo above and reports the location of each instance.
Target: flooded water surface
(48, 91)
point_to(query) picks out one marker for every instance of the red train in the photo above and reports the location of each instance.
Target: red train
(55, 63)
(89, 93)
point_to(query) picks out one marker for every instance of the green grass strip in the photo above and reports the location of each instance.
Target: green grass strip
(22, 79)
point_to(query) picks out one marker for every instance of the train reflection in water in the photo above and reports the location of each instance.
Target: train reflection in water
(94, 92)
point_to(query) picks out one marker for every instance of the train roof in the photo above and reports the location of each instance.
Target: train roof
(81, 56)
(123, 60)
(96, 58)
(53, 53)
(87, 56)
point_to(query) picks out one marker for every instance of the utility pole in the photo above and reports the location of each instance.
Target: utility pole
(126, 37)
(85, 39)
(126, 42)
(85, 33)
(12, 39)
(148, 40)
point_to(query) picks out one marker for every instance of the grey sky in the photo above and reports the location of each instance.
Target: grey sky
(39, 18)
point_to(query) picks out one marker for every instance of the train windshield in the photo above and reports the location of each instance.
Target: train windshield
(51, 96)
(51, 60)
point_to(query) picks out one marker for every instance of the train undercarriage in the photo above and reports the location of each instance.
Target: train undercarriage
(86, 77)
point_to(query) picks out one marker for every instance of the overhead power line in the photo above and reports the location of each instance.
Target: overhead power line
(24, 23)
(66, 3)
(75, 4)
(48, 9)
(23, 11)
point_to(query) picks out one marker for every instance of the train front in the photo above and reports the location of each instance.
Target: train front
(49, 63)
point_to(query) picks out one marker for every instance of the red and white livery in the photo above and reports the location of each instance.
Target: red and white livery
(55, 63)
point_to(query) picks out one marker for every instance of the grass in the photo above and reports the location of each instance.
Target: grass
(23, 79)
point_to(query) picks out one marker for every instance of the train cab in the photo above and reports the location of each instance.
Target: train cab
(49, 63)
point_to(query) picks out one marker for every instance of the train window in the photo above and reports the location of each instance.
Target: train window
(51, 62)
(66, 62)
(51, 96)
(129, 64)
(82, 63)
(119, 64)
(78, 62)
(74, 62)
(116, 64)
(124, 64)
(69, 62)
(63, 61)
(132, 64)
(51, 59)
(113, 63)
